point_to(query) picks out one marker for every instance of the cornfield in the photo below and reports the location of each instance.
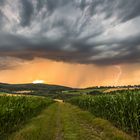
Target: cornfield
(16, 110)
(122, 109)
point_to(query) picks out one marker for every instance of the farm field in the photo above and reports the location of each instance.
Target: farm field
(63, 121)
(121, 108)
(17, 110)
(101, 117)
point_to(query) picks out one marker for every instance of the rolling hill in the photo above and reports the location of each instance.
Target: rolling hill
(46, 88)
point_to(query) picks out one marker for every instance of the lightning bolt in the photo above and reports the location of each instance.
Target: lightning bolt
(118, 75)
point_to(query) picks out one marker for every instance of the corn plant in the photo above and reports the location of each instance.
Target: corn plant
(122, 109)
(16, 110)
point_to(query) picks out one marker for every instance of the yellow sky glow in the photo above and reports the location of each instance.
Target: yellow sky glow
(74, 75)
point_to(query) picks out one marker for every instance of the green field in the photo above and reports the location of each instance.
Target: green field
(62, 121)
(16, 110)
(113, 116)
(122, 109)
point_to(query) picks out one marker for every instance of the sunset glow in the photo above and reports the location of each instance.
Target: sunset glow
(74, 75)
(76, 43)
(38, 82)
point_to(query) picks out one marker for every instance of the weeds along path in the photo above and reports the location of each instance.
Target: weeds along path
(62, 121)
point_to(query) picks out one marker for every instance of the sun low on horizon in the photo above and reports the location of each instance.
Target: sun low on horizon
(78, 43)
(38, 82)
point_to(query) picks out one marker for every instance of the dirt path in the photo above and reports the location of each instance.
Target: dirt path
(58, 100)
(62, 121)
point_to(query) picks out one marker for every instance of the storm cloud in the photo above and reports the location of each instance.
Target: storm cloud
(100, 32)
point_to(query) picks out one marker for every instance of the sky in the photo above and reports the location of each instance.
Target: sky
(77, 43)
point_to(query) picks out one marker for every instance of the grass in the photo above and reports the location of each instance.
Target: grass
(39, 128)
(63, 121)
(3, 93)
(16, 110)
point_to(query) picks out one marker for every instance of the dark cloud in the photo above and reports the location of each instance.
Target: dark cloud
(101, 32)
(130, 9)
(27, 11)
(1, 2)
(1, 17)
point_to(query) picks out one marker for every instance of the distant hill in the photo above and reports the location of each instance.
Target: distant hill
(32, 87)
